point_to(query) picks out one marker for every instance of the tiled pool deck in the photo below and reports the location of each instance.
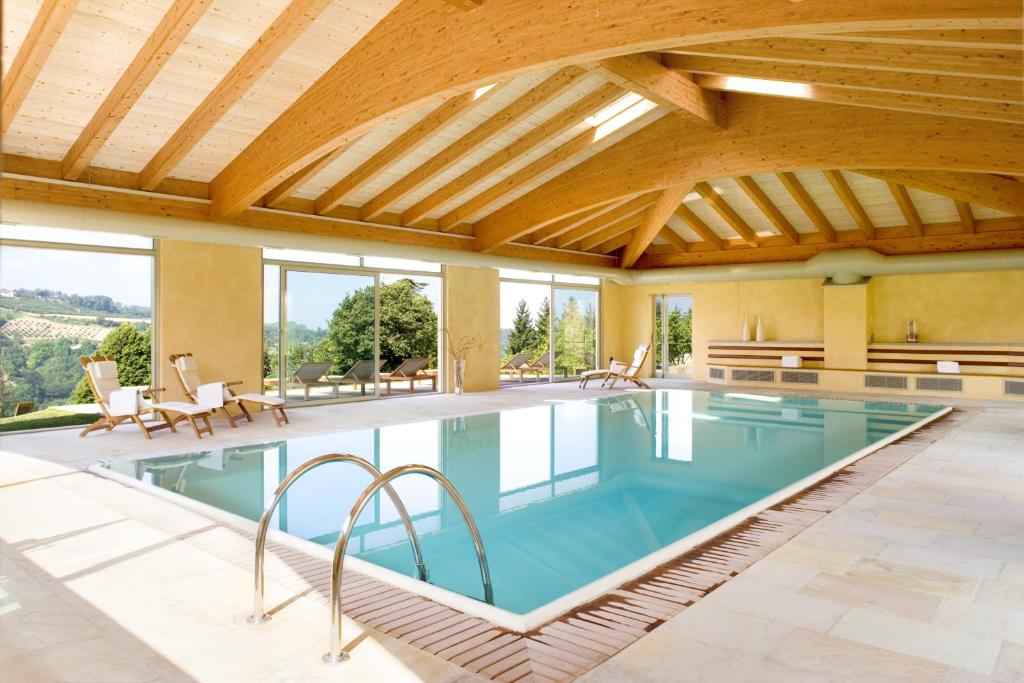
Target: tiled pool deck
(919, 577)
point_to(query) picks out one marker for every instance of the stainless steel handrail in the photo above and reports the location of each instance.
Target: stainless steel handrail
(336, 654)
(258, 615)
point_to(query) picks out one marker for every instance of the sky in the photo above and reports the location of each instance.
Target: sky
(124, 278)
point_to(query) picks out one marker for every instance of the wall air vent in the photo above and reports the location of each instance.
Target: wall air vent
(794, 377)
(1013, 387)
(939, 384)
(716, 373)
(885, 381)
(753, 376)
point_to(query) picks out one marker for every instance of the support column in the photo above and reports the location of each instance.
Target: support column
(847, 326)
(471, 310)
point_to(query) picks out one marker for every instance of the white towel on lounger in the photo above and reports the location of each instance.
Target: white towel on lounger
(124, 402)
(211, 395)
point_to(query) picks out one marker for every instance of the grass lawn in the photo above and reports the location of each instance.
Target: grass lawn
(46, 418)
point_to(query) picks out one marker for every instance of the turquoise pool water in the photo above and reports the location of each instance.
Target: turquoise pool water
(563, 493)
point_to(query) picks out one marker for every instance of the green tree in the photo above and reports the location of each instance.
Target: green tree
(408, 327)
(680, 336)
(132, 350)
(523, 335)
(541, 326)
(570, 337)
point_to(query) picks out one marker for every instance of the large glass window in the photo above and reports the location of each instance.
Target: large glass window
(90, 293)
(549, 330)
(350, 332)
(673, 335)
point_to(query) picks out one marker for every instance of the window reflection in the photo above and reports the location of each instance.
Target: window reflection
(674, 425)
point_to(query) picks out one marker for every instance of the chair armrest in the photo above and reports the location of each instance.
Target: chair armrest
(149, 391)
(234, 383)
(617, 366)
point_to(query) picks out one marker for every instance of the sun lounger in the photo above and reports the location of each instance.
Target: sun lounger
(515, 364)
(619, 370)
(411, 370)
(187, 370)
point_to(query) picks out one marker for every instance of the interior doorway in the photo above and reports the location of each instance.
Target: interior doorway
(673, 336)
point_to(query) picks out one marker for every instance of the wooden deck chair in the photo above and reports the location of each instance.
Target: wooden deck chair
(309, 375)
(539, 366)
(412, 371)
(362, 373)
(515, 365)
(618, 370)
(187, 371)
(122, 405)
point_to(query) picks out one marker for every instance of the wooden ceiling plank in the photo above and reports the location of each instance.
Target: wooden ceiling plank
(155, 53)
(396, 150)
(727, 213)
(654, 220)
(1003, 39)
(559, 228)
(257, 60)
(907, 208)
(290, 186)
(922, 104)
(983, 189)
(768, 208)
(536, 97)
(966, 216)
(858, 79)
(674, 239)
(808, 206)
(554, 126)
(603, 220)
(51, 19)
(849, 199)
(466, 5)
(610, 232)
(955, 61)
(645, 75)
(617, 242)
(702, 229)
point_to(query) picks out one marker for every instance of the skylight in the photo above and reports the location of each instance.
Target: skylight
(761, 86)
(617, 107)
(624, 117)
(482, 90)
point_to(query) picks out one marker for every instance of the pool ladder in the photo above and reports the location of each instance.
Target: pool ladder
(381, 481)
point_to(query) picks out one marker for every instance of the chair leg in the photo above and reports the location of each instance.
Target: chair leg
(102, 423)
(167, 419)
(245, 411)
(138, 421)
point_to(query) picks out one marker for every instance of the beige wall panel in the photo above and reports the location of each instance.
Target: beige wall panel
(847, 326)
(471, 309)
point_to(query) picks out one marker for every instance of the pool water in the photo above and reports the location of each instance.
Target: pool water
(564, 493)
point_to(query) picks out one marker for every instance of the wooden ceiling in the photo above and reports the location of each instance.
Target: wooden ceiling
(761, 132)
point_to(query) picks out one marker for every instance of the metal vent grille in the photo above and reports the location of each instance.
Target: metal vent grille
(885, 381)
(1013, 387)
(716, 373)
(793, 377)
(753, 376)
(939, 384)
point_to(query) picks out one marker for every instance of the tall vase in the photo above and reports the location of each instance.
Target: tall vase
(759, 335)
(460, 374)
(745, 336)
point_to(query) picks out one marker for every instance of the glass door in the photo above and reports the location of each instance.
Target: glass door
(525, 315)
(574, 331)
(329, 347)
(673, 336)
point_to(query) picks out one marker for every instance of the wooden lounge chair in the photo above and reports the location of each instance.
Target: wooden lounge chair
(515, 365)
(540, 366)
(127, 404)
(411, 370)
(362, 373)
(619, 370)
(310, 375)
(187, 371)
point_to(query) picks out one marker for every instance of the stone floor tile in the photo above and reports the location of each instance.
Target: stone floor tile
(862, 592)
(986, 620)
(941, 559)
(778, 604)
(915, 578)
(715, 625)
(816, 558)
(925, 522)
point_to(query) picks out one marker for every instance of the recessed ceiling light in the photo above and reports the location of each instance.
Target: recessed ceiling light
(765, 87)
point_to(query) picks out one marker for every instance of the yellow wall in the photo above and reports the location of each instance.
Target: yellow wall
(210, 303)
(847, 326)
(950, 307)
(471, 309)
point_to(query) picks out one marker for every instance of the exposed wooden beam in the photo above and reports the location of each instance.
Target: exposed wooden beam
(907, 208)
(702, 229)
(496, 40)
(288, 187)
(610, 232)
(727, 213)
(955, 61)
(46, 29)
(560, 227)
(675, 239)
(644, 74)
(278, 37)
(1004, 39)
(617, 242)
(768, 208)
(600, 222)
(924, 104)
(849, 199)
(554, 126)
(474, 139)
(465, 4)
(984, 189)
(764, 134)
(654, 220)
(966, 215)
(394, 151)
(155, 53)
(808, 205)
(959, 87)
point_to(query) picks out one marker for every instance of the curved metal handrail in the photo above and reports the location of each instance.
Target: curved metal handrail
(336, 654)
(258, 615)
